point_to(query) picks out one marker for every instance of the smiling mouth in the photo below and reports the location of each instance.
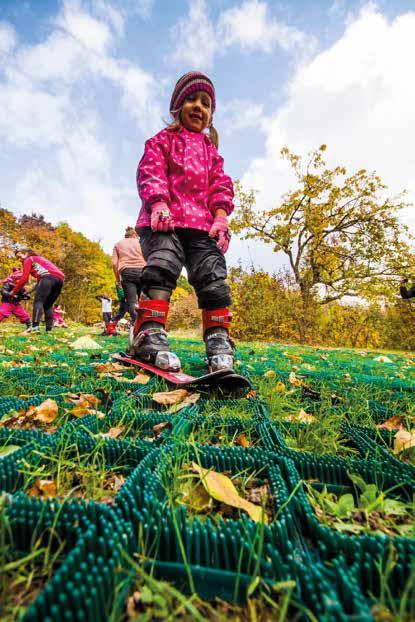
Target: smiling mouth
(196, 117)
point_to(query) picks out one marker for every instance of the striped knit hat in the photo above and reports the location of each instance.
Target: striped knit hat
(187, 84)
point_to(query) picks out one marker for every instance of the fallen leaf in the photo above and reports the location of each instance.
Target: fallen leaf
(251, 394)
(43, 488)
(108, 367)
(141, 378)
(132, 603)
(404, 440)
(170, 397)
(393, 423)
(301, 417)
(113, 432)
(270, 374)
(221, 488)
(242, 441)
(7, 450)
(294, 380)
(280, 387)
(159, 427)
(190, 399)
(46, 412)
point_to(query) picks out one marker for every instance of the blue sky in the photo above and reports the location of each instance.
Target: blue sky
(84, 82)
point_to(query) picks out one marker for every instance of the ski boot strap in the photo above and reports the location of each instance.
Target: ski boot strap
(148, 332)
(151, 311)
(215, 318)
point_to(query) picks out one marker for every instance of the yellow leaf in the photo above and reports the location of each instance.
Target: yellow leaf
(170, 397)
(270, 374)
(404, 440)
(46, 412)
(113, 432)
(141, 378)
(280, 387)
(294, 380)
(190, 399)
(301, 417)
(108, 367)
(221, 488)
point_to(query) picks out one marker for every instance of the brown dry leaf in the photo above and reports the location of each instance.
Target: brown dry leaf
(251, 394)
(221, 488)
(132, 603)
(404, 440)
(159, 427)
(242, 441)
(43, 488)
(294, 380)
(141, 378)
(46, 412)
(108, 367)
(190, 399)
(301, 417)
(114, 432)
(393, 423)
(170, 397)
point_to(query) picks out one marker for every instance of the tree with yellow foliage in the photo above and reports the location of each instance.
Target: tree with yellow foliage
(342, 236)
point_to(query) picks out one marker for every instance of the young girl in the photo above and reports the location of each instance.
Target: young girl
(186, 200)
(58, 319)
(11, 304)
(49, 285)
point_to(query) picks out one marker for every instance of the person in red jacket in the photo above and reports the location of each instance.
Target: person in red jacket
(49, 285)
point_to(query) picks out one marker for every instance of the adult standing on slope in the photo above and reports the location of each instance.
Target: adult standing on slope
(128, 263)
(49, 285)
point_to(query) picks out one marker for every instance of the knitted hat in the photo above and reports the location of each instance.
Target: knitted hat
(187, 84)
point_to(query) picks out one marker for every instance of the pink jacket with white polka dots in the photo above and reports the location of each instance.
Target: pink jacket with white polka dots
(184, 170)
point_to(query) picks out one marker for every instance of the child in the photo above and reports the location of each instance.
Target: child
(11, 304)
(106, 307)
(186, 199)
(58, 316)
(49, 285)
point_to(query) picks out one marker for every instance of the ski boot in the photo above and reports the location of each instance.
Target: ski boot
(148, 341)
(219, 346)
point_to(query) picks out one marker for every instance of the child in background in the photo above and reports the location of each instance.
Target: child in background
(11, 304)
(407, 289)
(186, 200)
(49, 285)
(106, 302)
(58, 313)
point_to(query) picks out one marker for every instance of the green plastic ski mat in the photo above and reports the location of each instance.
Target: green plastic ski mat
(369, 446)
(368, 550)
(84, 575)
(31, 463)
(170, 534)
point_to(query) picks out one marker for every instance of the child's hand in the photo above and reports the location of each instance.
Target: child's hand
(161, 219)
(220, 231)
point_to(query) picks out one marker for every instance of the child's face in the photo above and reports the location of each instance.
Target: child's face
(196, 111)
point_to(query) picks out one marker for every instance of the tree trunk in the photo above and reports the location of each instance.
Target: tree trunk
(305, 321)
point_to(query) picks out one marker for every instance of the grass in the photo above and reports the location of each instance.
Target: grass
(331, 386)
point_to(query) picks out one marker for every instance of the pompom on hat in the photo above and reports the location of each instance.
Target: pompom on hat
(187, 84)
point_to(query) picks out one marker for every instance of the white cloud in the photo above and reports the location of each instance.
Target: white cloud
(358, 97)
(251, 26)
(240, 114)
(8, 38)
(193, 38)
(49, 109)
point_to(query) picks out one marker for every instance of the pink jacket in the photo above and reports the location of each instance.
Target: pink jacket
(184, 170)
(37, 266)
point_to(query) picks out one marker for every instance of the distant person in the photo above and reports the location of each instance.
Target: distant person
(128, 263)
(58, 319)
(123, 307)
(404, 291)
(11, 304)
(49, 285)
(106, 303)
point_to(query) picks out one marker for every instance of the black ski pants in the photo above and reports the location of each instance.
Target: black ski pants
(167, 253)
(132, 285)
(47, 291)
